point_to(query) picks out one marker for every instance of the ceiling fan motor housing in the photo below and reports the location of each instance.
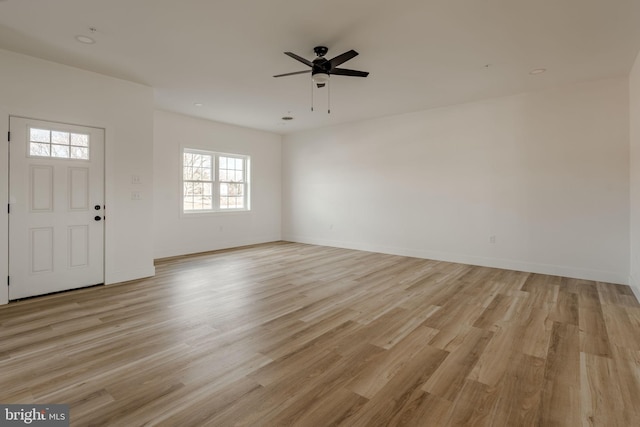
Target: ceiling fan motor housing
(321, 67)
(321, 50)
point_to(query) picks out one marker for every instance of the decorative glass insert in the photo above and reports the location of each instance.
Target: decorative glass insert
(58, 144)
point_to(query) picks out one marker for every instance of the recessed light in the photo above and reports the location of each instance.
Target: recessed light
(287, 118)
(198, 104)
(85, 39)
(537, 71)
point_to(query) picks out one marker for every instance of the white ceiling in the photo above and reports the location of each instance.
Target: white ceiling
(421, 53)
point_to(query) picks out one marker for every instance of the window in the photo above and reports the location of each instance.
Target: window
(197, 179)
(58, 144)
(214, 182)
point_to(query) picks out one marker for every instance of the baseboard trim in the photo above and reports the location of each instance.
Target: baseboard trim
(507, 264)
(215, 246)
(127, 276)
(635, 286)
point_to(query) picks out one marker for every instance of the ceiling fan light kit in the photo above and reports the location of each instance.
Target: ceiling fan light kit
(322, 68)
(320, 78)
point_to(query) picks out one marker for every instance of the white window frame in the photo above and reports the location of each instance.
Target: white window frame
(216, 183)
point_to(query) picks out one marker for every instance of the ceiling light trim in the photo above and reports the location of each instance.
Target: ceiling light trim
(85, 39)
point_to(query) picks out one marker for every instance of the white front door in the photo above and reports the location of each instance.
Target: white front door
(56, 207)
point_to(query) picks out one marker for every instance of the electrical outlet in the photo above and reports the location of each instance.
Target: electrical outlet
(135, 179)
(136, 195)
(492, 239)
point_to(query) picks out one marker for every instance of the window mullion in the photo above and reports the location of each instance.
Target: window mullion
(244, 183)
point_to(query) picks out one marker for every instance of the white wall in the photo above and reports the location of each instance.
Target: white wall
(634, 90)
(178, 235)
(40, 89)
(546, 173)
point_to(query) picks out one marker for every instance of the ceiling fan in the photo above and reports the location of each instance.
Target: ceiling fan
(322, 68)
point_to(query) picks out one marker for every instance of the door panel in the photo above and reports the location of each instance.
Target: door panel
(78, 246)
(41, 250)
(41, 179)
(56, 176)
(78, 189)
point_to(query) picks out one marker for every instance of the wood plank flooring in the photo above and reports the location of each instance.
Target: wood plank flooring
(291, 334)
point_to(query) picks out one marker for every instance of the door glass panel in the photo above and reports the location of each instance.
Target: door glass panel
(58, 144)
(39, 149)
(40, 135)
(60, 137)
(79, 140)
(79, 153)
(60, 151)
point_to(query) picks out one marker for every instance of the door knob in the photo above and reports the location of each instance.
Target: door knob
(97, 217)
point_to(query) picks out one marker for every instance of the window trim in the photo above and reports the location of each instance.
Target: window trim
(215, 181)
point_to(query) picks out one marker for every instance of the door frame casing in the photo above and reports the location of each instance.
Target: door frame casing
(4, 203)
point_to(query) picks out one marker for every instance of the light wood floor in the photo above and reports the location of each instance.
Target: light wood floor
(292, 334)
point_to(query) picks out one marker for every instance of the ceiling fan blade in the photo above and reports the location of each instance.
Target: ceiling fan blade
(293, 74)
(345, 72)
(341, 59)
(299, 58)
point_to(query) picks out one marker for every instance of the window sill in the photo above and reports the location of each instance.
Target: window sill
(214, 213)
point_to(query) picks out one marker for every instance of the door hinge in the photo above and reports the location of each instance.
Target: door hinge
(8, 281)
(8, 208)
(9, 136)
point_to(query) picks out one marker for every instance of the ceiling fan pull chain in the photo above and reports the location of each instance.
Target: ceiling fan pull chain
(329, 96)
(311, 95)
